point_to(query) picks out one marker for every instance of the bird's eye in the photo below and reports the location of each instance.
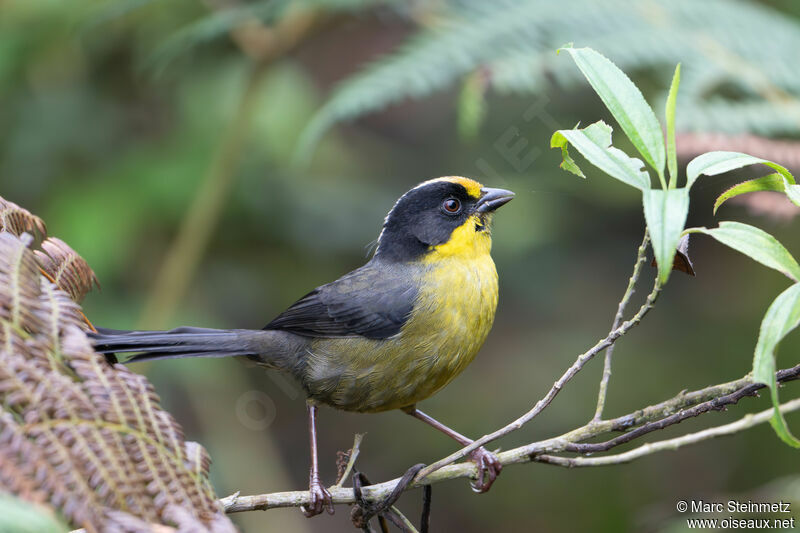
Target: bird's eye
(451, 206)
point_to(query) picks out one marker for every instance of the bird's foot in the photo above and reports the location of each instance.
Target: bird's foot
(489, 467)
(320, 499)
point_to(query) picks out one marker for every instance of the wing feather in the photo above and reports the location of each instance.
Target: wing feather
(373, 301)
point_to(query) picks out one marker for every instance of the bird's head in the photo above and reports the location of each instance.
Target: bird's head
(441, 217)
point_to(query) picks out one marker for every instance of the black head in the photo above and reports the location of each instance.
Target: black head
(427, 215)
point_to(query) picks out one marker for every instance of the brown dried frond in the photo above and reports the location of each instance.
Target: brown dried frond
(17, 220)
(66, 268)
(89, 438)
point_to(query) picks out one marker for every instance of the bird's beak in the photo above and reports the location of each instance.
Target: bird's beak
(491, 199)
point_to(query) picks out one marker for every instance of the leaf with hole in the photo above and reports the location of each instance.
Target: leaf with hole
(594, 144)
(626, 103)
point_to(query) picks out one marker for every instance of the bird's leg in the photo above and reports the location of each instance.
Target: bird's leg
(320, 497)
(489, 466)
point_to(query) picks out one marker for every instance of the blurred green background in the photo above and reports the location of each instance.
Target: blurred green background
(188, 150)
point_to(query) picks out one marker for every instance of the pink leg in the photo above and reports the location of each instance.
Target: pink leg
(489, 465)
(320, 497)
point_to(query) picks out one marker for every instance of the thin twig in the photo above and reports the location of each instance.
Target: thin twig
(522, 454)
(556, 388)
(746, 422)
(351, 461)
(641, 258)
(400, 520)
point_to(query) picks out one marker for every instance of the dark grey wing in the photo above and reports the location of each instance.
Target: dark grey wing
(373, 301)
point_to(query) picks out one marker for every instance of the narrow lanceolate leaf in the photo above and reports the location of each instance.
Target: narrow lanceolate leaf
(665, 213)
(782, 317)
(672, 157)
(713, 163)
(755, 243)
(626, 103)
(770, 182)
(594, 143)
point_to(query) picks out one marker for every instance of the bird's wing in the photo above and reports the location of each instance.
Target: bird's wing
(370, 302)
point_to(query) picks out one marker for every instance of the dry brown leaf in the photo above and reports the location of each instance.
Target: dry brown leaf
(682, 262)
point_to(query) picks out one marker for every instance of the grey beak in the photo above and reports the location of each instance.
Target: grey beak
(492, 199)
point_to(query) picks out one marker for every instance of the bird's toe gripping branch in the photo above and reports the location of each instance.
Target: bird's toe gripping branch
(320, 500)
(489, 467)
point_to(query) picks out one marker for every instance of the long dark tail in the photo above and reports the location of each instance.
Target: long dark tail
(189, 342)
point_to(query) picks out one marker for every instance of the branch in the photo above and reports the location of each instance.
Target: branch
(556, 388)
(746, 422)
(641, 257)
(724, 392)
(649, 419)
(716, 403)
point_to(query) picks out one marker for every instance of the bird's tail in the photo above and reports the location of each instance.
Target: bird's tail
(185, 342)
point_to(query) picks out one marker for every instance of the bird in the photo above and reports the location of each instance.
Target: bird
(384, 336)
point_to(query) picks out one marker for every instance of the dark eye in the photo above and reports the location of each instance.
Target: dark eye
(452, 206)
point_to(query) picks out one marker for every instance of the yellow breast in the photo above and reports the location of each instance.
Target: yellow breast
(452, 316)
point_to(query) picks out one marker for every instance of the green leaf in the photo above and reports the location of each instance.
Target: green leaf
(665, 211)
(20, 516)
(781, 318)
(594, 143)
(713, 163)
(672, 157)
(755, 243)
(770, 182)
(559, 141)
(626, 103)
(792, 191)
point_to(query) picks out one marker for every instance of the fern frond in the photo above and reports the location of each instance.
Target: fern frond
(88, 438)
(66, 268)
(515, 42)
(214, 25)
(758, 117)
(17, 220)
(220, 22)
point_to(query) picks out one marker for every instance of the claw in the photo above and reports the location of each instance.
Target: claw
(489, 468)
(320, 500)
